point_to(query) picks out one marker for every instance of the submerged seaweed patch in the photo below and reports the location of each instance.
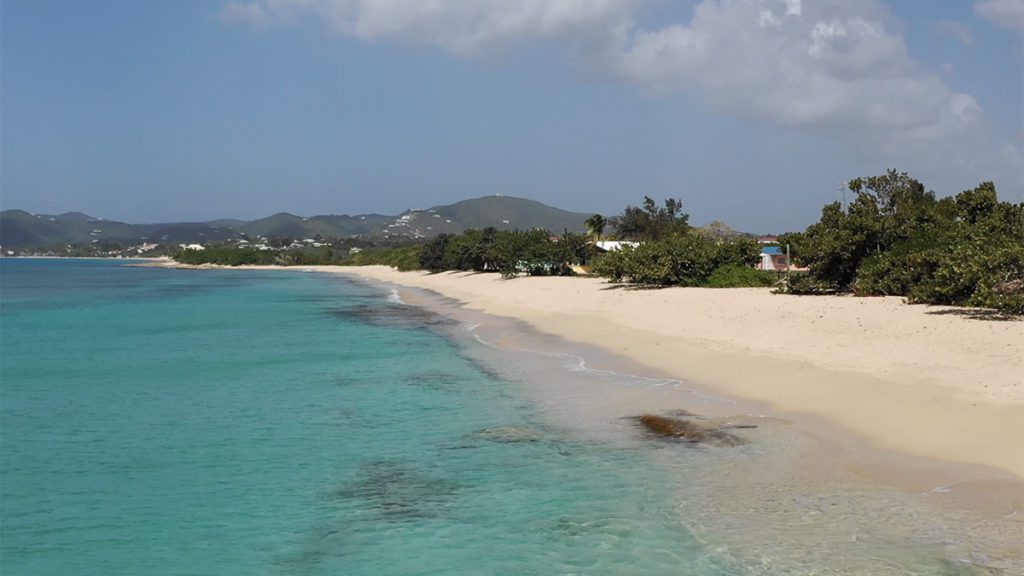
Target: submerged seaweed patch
(397, 492)
(391, 316)
(437, 380)
(508, 434)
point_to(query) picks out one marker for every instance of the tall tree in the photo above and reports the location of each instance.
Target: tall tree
(895, 238)
(595, 225)
(652, 222)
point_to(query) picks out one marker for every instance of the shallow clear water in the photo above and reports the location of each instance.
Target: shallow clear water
(159, 421)
(202, 422)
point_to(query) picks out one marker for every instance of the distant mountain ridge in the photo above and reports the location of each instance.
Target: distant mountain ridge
(21, 228)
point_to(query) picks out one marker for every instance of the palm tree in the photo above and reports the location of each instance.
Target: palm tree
(595, 225)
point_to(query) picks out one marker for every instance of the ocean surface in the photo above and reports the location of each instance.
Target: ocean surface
(203, 422)
(159, 421)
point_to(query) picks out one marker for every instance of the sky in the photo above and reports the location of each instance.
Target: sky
(753, 112)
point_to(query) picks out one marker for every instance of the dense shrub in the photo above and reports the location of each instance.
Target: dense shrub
(738, 276)
(896, 239)
(404, 258)
(687, 260)
(508, 252)
(226, 256)
(649, 222)
(803, 284)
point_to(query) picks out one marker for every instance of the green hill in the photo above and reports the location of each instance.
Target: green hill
(327, 226)
(20, 228)
(509, 213)
(501, 212)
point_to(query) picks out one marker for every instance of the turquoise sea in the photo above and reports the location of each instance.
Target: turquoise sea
(207, 422)
(159, 422)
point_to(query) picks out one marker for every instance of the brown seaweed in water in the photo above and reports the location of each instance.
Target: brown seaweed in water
(397, 492)
(397, 316)
(690, 431)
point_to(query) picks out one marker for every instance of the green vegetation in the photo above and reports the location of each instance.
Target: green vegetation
(534, 252)
(651, 222)
(737, 276)
(501, 212)
(226, 256)
(671, 253)
(897, 239)
(596, 225)
(403, 258)
(59, 234)
(508, 252)
(684, 260)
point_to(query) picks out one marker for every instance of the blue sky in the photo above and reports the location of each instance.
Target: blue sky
(751, 111)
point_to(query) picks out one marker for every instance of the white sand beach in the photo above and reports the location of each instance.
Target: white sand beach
(914, 381)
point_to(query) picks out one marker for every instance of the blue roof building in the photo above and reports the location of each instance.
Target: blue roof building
(772, 258)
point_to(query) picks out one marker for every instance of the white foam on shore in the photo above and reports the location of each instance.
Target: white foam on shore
(576, 363)
(394, 297)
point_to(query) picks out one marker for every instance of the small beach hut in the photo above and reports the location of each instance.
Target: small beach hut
(772, 258)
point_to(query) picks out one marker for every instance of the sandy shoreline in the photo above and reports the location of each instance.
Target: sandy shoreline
(925, 384)
(911, 379)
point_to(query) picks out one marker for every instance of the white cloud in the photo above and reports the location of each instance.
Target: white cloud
(1006, 13)
(956, 30)
(830, 66)
(466, 27)
(250, 13)
(834, 67)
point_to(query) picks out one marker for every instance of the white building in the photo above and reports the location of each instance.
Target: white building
(613, 245)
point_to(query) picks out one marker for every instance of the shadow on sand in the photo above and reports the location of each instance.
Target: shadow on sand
(977, 314)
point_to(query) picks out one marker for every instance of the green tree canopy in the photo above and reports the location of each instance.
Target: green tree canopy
(596, 225)
(897, 239)
(652, 222)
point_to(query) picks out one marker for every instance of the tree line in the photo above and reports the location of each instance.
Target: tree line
(534, 252)
(669, 252)
(896, 238)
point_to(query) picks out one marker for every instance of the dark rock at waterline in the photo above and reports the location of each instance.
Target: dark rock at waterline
(687, 430)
